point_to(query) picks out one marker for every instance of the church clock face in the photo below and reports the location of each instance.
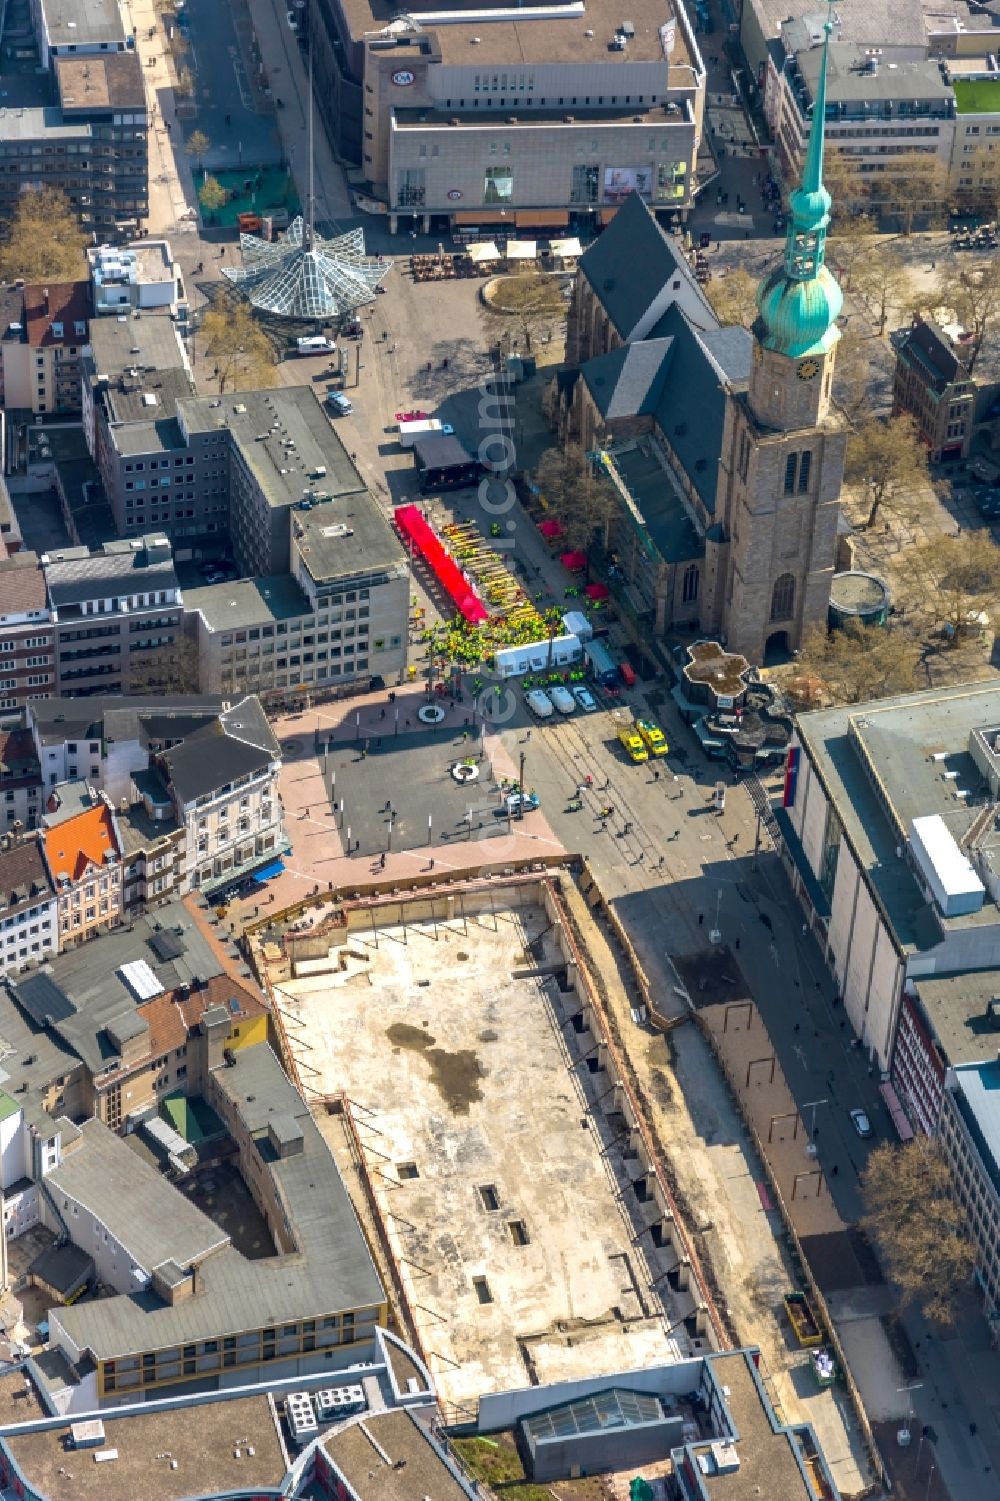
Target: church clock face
(808, 369)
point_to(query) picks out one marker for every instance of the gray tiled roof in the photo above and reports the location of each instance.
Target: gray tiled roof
(141, 1209)
(628, 264)
(331, 1270)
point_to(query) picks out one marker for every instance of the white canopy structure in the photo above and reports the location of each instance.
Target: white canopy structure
(305, 276)
(521, 250)
(485, 251)
(566, 250)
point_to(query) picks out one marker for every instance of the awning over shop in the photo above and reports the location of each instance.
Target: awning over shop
(478, 216)
(576, 562)
(269, 872)
(597, 591)
(521, 250)
(541, 218)
(607, 214)
(484, 251)
(566, 250)
(903, 1128)
(550, 529)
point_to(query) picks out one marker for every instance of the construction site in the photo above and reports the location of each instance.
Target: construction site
(483, 1116)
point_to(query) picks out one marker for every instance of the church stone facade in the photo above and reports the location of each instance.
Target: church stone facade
(723, 444)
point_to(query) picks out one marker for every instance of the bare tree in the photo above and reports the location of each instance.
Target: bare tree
(172, 668)
(43, 241)
(584, 501)
(734, 297)
(888, 462)
(911, 186)
(529, 306)
(241, 350)
(860, 662)
(919, 1228)
(970, 293)
(956, 581)
(881, 282)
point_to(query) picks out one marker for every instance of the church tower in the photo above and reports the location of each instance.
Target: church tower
(783, 451)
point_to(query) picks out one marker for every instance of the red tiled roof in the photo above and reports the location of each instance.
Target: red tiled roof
(80, 842)
(65, 302)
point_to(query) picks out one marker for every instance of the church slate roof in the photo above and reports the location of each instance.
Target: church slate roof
(680, 379)
(629, 263)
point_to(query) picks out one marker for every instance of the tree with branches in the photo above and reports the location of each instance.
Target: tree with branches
(584, 501)
(212, 196)
(887, 462)
(969, 294)
(171, 668)
(880, 282)
(918, 1226)
(530, 306)
(859, 662)
(43, 241)
(957, 581)
(196, 145)
(239, 347)
(911, 186)
(734, 297)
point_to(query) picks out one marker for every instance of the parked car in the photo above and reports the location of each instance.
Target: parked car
(338, 404)
(516, 804)
(584, 697)
(411, 416)
(539, 703)
(862, 1124)
(562, 698)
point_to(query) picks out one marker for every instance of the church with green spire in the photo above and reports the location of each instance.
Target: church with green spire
(723, 443)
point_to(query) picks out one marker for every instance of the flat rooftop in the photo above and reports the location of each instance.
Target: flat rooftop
(978, 1096)
(414, 1467)
(772, 1461)
(849, 83)
(112, 80)
(957, 1007)
(975, 96)
(549, 38)
(900, 22)
(897, 740)
(347, 539)
(284, 436)
(513, 1229)
(209, 1442)
(80, 23)
(243, 602)
(148, 400)
(44, 123)
(125, 343)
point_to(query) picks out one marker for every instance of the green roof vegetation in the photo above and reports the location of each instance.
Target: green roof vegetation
(8, 1106)
(977, 96)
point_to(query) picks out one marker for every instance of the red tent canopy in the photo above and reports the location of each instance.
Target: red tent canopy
(597, 591)
(576, 562)
(550, 529)
(415, 529)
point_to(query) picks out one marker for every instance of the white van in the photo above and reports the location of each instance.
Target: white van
(539, 703)
(562, 698)
(315, 344)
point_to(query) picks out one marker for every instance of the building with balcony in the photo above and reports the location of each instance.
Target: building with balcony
(140, 277)
(27, 633)
(41, 350)
(223, 780)
(84, 854)
(515, 118)
(877, 106)
(29, 920)
(113, 611)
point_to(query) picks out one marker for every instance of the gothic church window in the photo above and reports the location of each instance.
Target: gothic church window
(783, 597)
(689, 587)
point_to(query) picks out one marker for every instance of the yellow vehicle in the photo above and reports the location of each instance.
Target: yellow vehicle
(633, 742)
(656, 741)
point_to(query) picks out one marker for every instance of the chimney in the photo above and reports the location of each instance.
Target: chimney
(45, 294)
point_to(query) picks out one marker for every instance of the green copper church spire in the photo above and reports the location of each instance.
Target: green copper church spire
(799, 302)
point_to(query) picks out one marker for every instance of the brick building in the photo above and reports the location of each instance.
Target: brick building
(932, 383)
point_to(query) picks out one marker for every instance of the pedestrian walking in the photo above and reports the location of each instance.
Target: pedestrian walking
(701, 918)
(528, 735)
(381, 714)
(656, 774)
(381, 861)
